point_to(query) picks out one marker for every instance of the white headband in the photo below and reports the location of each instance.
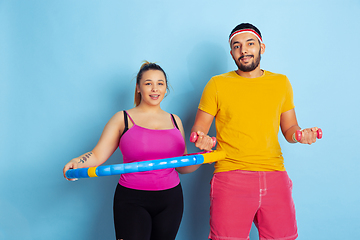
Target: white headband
(245, 31)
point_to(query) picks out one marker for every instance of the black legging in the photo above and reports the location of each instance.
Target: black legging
(147, 215)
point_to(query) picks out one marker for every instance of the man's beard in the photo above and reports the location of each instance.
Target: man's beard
(248, 68)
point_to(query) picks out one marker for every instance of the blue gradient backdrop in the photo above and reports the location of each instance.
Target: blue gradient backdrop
(67, 66)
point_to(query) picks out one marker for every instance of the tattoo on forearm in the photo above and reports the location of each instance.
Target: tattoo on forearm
(85, 157)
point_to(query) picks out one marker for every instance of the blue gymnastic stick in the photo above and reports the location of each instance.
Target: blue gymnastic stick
(182, 161)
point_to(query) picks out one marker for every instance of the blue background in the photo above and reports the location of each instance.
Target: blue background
(67, 66)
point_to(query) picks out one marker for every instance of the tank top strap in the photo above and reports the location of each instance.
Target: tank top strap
(129, 117)
(126, 128)
(174, 121)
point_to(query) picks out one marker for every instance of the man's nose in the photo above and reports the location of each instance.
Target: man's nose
(243, 49)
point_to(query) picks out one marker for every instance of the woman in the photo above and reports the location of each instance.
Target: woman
(147, 205)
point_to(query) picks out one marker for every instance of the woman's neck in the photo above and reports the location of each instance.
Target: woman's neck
(143, 107)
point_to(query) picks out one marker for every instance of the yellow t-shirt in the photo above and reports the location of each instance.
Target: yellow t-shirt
(247, 117)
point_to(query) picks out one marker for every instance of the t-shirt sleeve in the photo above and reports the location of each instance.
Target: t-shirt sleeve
(289, 97)
(208, 101)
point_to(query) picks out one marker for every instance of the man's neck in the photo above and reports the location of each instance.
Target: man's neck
(253, 74)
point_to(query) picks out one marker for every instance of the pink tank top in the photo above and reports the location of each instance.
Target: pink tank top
(141, 144)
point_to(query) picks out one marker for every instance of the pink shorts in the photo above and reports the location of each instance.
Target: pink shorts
(239, 198)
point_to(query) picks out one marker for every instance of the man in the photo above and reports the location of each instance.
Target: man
(251, 183)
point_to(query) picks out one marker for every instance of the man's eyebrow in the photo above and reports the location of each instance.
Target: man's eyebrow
(234, 43)
(249, 40)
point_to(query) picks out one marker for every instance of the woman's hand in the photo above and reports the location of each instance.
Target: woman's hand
(70, 165)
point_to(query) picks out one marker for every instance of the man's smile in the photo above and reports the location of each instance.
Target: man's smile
(245, 58)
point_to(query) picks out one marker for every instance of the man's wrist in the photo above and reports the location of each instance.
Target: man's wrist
(294, 137)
